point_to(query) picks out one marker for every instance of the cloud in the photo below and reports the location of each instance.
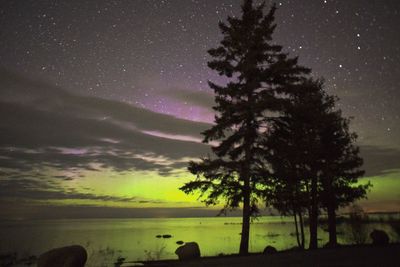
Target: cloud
(44, 126)
(197, 98)
(380, 160)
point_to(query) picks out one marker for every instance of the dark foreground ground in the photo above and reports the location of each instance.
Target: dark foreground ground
(343, 256)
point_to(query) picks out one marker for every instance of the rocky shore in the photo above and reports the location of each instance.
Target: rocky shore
(366, 255)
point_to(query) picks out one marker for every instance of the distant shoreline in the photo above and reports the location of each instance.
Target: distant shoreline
(192, 217)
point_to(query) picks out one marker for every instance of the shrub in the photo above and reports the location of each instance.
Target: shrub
(358, 228)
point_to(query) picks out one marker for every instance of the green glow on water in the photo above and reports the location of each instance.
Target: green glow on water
(136, 239)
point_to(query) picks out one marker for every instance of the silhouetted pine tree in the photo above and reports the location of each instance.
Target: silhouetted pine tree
(292, 149)
(258, 72)
(284, 152)
(313, 157)
(341, 169)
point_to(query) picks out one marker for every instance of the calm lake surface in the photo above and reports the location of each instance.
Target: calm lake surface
(135, 239)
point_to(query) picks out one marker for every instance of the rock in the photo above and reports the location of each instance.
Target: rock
(188, 251)
(379, 237)
(72, 256)
(180, 242)
(270, 250)
(167, 236)
(158, 236)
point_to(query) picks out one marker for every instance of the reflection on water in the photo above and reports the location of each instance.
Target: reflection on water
(135, 239)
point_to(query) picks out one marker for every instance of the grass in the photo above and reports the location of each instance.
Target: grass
(103, 257)
(155, 255)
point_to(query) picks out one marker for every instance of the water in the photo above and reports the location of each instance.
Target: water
(135, 239)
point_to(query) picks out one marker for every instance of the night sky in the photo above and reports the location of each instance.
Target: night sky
(102, 102)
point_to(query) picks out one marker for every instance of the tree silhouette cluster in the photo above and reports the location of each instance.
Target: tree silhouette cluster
(313, 160)
(277, 137)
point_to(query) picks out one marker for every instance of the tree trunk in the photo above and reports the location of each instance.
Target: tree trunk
(313, 214)
(331, 209)
(297, 228)
(297, 210)
(245, 175)
(332, 224)
(244, 241)
(302, 229)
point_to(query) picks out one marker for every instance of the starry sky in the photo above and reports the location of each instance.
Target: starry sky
(102, 102)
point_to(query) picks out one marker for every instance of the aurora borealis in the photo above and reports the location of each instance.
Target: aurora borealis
(103, 102)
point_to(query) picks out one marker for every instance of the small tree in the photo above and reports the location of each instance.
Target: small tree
(357, 223)
(259, 73)
(287, 190)
(341, 169)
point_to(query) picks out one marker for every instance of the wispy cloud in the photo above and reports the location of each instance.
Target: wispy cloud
(380, 160)
(42, 125)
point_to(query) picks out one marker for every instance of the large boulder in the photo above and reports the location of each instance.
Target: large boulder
(270, 250)
(72, 256)
(379, 237)
(188, 251)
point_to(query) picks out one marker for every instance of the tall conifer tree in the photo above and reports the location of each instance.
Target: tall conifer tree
(260, 76)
